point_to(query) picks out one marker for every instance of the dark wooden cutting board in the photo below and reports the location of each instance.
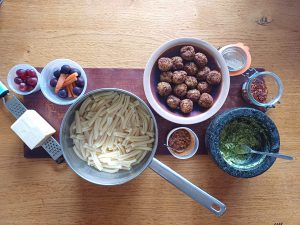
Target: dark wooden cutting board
(130, 80)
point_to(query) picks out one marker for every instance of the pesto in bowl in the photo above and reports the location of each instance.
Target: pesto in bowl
(242, 126)
(243, 131)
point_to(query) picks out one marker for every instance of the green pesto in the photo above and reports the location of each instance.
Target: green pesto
(241, 131)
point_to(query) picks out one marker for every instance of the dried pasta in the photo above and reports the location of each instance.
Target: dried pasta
(112, 132)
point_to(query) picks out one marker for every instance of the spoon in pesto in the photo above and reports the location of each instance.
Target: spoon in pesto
(246, 150)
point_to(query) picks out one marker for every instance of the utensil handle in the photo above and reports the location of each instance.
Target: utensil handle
(277, 155)
(194, 192)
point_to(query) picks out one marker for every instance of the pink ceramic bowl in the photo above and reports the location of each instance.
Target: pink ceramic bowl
(151, 78)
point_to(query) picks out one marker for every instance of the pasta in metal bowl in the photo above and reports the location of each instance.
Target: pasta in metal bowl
(112, 131)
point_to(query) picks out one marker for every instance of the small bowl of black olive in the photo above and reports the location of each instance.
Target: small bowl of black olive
(63, 80)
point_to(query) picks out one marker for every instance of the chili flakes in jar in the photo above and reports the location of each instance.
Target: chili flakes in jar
(259, 90)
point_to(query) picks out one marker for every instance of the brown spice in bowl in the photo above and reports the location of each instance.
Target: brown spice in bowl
(180, 140)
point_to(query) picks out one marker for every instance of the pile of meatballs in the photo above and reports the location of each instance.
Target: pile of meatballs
(187, 80)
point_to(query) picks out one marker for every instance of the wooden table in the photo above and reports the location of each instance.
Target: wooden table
(124, 34)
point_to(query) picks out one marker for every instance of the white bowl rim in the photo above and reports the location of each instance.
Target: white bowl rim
(10, 81)
(43, 87)
(224, 86)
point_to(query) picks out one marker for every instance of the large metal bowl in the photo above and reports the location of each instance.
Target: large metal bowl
(81, 167)
(92, 175)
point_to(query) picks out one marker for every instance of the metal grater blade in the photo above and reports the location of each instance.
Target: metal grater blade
(53, 148)
(15, 107)
(50, 145)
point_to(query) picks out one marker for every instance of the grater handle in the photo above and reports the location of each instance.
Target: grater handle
(3, 90)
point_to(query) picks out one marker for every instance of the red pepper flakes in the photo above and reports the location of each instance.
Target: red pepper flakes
(259, 90)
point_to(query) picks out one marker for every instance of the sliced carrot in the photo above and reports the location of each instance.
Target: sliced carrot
(73, 85)
(69, 82)
(71, 76)
(60, 82)
(69, 91)
(70, 79)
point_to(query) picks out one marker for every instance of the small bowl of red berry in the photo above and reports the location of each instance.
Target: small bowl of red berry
(62, 81)
(23, 79)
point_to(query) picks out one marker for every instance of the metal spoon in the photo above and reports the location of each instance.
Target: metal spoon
(246, 149)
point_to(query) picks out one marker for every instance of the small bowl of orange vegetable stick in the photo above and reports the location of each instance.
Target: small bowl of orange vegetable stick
(62, 81)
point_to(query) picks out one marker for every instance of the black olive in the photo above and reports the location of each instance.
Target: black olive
(65, 69)
(63, 93)
(77, 91)
(56, 74)
(75, 70)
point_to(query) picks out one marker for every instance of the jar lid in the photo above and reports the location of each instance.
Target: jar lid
(237, 58)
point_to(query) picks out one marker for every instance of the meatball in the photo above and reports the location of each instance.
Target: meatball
(200, 59)
(164, 88)
(186, 106)
(180, 90)
(187, 53)
(206, 100)
(193, 94)
(191, 82)
(202, 74)
(165, 64)
(177, 63)
(166, 76)
(190, 68)
(204, 87)
(173, 101)
(214, 77)
(179, 77)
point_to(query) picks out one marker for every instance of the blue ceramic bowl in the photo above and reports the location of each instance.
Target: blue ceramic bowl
(253, 165)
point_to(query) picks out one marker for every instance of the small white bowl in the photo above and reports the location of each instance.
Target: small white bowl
(12, 74)
(47, 75)
(192, 152)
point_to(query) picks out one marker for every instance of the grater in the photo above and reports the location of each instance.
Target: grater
(16, 108)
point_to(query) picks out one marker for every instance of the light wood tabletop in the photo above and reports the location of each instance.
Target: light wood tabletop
(123, 34)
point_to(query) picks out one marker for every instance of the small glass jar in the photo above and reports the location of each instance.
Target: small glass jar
(263, 89)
